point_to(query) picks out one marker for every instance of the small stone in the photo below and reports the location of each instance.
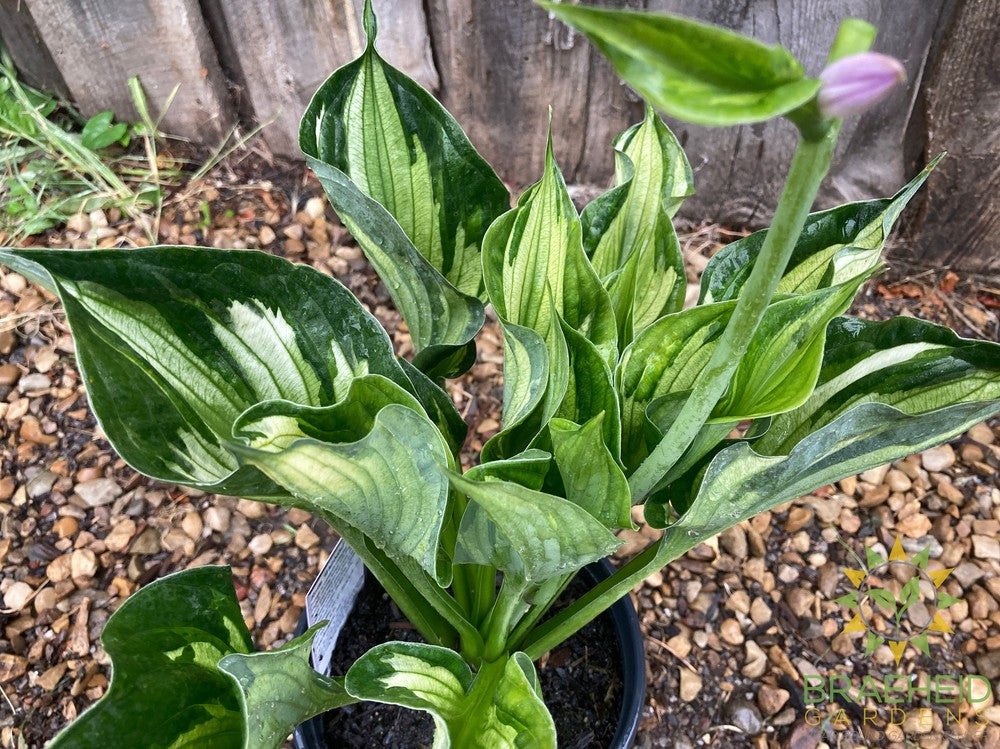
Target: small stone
(260, 544)
(46, 599)
(79, 222)
(967, 573)
(266, 235)
(804, 736)
(315, 208)
(51, 677)
(17, 596)
(739, 602)
(59, 568)
(798, 518)
(9, 375)
(83, 564)
(66, 527)
(305, 537)
(98, 492)
(679, 645)
(12, 667)
(730, 632)
(33, 382)
(771, 699)
(655, 580)
(916, 525)
(217, 518)
(876, 475)
(938, 459)
(898, 481)
(800, 601)
(982, 434)
(120, 536)
(734, 541)
(760, 612)
(40, 484)
(985, 547)
(756, 663)
(690, 685)
(192, 525)
(147, 543)
(745, 716)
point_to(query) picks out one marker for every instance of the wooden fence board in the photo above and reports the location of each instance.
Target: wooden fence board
(29, 53)
(279, 53)
(962, 221)
(99, 44)
(502, 63)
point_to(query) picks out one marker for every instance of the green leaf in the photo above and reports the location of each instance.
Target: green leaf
(100, 131)
(590, 475)
(438, 405)
(389, 484)
(910, 594)
(884, 599)
(776, 374)
(627, 232)
(527, 534)
(559, 328)
(166, 691)
(528, 469)
(280, 689)
(505, 712)
(174, 343)
(696, 72)
(885, 390)
(910, 364)
(536, 270)
(834, 246)
(411, 189)
(517, 717)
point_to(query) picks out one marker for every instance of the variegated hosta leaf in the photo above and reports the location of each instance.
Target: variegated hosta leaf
(699, 73)
(527, 469)
(413, 191)
(280, 689)
(834, 246)
(776, 374)
(166, 690)
(504, 712)
(910, 364)
(545, 291)
(527, 534)
(174, 343)
(887, 389)
(627, 232)
(591, 476)
(389, 484)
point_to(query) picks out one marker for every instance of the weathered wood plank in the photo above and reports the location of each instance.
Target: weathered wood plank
(31, 57)
(739, 171)
(279, 53)
(502, 63)
(99, 44)
(962, 221)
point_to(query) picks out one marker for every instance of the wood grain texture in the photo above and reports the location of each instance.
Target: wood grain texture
(98, 44)
(30, 55)
(962, 220)
(278, 54)
(502, 63)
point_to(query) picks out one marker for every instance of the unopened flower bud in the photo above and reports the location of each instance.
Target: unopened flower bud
(853, 84)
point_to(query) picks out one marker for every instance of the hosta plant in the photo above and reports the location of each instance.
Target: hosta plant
(240, 373)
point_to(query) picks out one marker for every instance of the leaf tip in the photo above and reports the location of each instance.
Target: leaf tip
(370, 24)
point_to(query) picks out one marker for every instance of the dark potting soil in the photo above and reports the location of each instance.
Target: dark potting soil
(581, 681)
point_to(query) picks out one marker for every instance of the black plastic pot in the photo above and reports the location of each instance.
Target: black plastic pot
(309, 735)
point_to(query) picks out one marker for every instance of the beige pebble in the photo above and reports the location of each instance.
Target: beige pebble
(730, 632)
(260, 544)
(192, 525)
(305, 537)
(982, 434)
(690, 685)
(83, 564)
(938, 459)
(217, 518)
(17, 596)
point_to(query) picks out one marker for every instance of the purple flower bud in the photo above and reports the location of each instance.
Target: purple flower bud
(853, 84)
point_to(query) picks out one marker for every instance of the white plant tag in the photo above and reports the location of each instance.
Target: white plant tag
(331, 598)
